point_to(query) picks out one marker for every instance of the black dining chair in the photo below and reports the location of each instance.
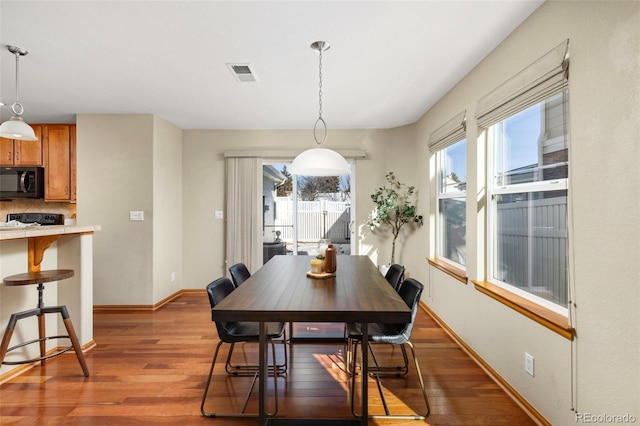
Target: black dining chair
(239, 273)
(395, 334)
(394, 275)
(237, 332)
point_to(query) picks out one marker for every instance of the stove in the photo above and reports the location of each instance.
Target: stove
(41, 218)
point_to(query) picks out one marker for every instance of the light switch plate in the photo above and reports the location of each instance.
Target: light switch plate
(219, 214)
(136, 215)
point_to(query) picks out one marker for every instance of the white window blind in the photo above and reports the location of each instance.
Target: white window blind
(449, 133)
(546, 76)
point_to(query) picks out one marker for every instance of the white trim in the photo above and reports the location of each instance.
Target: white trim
(451, 262)
(540, 186)
(289, 153)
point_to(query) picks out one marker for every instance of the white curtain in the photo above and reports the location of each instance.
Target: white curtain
(244, 211)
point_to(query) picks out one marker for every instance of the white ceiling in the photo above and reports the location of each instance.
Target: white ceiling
(389, 61)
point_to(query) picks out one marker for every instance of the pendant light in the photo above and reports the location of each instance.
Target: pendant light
(320, 161)
(15, 127)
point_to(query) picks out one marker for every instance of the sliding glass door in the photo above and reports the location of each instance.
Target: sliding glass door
(301, 215)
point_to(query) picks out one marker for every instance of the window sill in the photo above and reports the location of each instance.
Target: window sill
(545, 317)
(448, 269)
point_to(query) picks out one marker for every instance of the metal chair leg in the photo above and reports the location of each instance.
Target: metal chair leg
(352, 376)
(419, 373)
(246, 399)
(390, 371)
(376, 375)
(249, 369)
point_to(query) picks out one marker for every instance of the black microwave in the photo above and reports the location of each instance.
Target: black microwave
(21, 182)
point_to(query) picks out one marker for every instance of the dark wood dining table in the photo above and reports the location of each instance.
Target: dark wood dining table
(281, 291)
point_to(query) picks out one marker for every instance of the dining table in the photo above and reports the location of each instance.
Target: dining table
(282, 291)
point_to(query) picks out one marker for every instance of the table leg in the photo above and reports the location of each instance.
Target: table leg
(365, 373)
(262, 365)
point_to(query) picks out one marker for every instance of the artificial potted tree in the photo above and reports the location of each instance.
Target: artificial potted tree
(395, 208)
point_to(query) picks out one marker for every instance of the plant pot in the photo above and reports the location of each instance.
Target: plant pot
(384, 268)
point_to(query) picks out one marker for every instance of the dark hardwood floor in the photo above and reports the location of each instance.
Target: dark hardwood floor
(151, 368)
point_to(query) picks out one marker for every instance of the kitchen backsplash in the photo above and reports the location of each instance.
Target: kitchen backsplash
(36, 206)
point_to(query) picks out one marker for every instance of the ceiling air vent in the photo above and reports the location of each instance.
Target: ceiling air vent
(242, 72)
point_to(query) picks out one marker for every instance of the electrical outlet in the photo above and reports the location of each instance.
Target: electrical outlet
(528, 363)
(173, 276)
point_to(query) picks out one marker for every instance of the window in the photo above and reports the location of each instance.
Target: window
(449, 144)
(528, 181)
(526, 121)
(451, 166)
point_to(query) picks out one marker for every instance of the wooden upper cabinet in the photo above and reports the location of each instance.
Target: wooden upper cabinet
(22, 153)
(6, 152)
(72, 160)
(58, 147)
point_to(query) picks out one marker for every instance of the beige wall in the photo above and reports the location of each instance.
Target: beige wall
(605, 228)
(167, 209)
(125, 163)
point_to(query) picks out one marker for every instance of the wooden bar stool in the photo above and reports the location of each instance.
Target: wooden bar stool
(41, 277)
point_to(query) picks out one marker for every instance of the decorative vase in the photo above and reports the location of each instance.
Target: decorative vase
(330, 265)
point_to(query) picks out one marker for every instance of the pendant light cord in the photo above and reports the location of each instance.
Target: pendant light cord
(320, 84)
(17, 107)
(320, 119)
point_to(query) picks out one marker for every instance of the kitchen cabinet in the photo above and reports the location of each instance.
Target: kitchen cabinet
(14, 152)
(59, 145)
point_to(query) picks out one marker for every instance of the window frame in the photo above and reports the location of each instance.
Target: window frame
(440, 195)
(494, 189)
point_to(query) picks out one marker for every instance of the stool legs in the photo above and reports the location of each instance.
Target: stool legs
(76, 343)
(41, 277)
(6, 339)
(42, 333)
(41, 325)
(40, 312)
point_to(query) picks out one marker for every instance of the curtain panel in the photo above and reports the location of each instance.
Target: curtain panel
(244, 212)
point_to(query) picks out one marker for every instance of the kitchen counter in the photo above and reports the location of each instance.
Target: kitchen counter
(35, 248)
(13, 233)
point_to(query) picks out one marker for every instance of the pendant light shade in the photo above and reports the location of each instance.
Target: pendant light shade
(320, 161)
(15, 127)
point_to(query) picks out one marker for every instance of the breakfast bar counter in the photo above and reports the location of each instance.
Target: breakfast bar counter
(30, 248)
(13, 233)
